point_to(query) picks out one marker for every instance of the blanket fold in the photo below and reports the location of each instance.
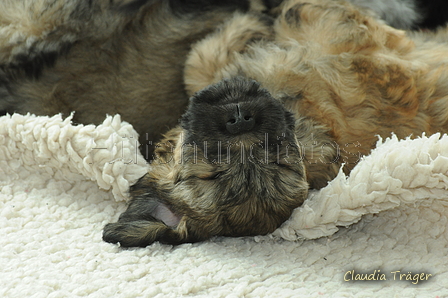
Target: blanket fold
(396, 172)
(107, 153)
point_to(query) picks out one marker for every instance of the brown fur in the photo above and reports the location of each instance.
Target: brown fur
(346, 77)
(103, 57)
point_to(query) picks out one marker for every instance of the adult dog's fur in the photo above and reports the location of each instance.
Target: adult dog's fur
(103, 57)
(278, 109)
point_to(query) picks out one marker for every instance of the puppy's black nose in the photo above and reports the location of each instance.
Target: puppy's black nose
(239, 120)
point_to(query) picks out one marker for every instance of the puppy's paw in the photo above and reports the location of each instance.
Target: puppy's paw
(139, 233)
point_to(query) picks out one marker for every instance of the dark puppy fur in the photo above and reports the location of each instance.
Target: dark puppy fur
(240, 163)
(104, 57)
(212, 180)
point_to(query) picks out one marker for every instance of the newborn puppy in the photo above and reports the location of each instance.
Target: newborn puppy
(233, 168)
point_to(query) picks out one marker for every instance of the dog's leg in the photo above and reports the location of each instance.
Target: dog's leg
(207, 62)
(140, 233)
(152, 216)
(137, 227)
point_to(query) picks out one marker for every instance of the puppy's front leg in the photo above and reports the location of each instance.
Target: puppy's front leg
(140, 233)
(138, 225)
(151, 216)
(143, 232)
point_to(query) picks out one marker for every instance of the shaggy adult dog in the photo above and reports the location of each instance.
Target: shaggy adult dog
(122, 57)
(104, 57)
(278, 109)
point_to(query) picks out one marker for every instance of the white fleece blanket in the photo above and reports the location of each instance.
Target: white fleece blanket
(60, 183)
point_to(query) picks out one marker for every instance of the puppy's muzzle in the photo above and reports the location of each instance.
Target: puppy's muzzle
(239, 120)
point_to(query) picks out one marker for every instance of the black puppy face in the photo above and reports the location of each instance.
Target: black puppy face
(236, 170)
(236, 111)
(235, 121)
